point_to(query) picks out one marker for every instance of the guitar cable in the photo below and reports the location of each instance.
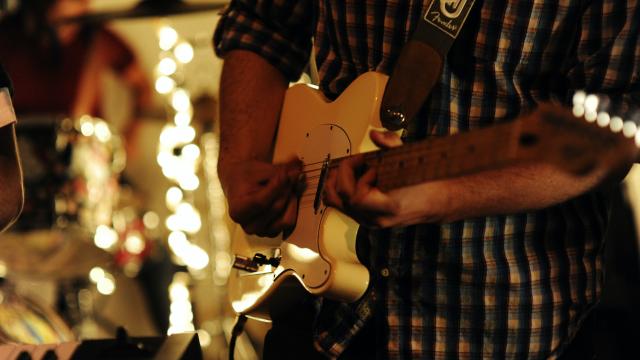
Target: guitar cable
(237, 329)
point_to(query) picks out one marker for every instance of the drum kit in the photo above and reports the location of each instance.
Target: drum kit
(71, 174)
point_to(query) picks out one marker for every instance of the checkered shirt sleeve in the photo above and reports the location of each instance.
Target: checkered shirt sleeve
(277, 30)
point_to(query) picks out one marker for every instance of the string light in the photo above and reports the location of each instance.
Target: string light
(603, 119)
(168, 37)
(179, 159)
(165, 85)
(105, 237)
(181, 311)
(180, 100)
(151, 220)
(616, 124)
(629, 129)
(183, 52)
(104, 281)
(167, 66)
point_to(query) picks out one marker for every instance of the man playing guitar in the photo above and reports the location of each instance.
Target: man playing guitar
(501, 264)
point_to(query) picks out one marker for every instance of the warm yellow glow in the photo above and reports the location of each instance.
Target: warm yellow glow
(96, 274)
(151, 220)
(134, 243)
(189, 182)
(186, 134)
(616, 124)
(165, 85)
(178, 292)
(180, 100)
(180, 307)
(603, 119)
(163, 158)
(204, 337)
(302, 254)
(579, 97)
(591, 103)
(105, 237)
(629, 129)
(187, 218)
(106, 285)
(182, 119)
(167, 66)
(181, 318)
(590, 116)
(191, 152)
(86, 128)
(247, 300)
(174, 197)
(196, 258)
(167, 37)
(178, 242)
(184, 52)
(102, 131)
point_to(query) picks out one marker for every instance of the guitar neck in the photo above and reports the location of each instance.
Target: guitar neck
(451, 156)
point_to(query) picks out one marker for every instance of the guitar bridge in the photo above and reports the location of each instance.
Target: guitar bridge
(323, 177)
(244, 263)
(252, 265)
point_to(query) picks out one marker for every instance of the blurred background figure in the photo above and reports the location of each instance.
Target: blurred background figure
(60, 66)
(73, 162)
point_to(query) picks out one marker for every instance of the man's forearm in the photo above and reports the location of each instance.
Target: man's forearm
(251, 95)
(504, 191)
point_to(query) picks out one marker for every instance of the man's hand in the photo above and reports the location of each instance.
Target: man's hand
(262, 196)
(353, 191)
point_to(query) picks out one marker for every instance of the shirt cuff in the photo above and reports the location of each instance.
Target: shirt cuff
(7, 115)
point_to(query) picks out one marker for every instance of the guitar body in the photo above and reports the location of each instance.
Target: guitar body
(319, 256)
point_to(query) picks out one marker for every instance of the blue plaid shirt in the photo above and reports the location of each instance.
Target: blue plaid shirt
(511, 286)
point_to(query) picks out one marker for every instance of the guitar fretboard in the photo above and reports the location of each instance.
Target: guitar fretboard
(446, 157)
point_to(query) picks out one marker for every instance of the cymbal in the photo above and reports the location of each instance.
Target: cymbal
(147, 8)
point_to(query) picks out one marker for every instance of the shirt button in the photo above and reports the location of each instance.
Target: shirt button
(384, 272)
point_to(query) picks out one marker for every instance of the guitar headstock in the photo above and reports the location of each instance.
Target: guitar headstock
(589, 135)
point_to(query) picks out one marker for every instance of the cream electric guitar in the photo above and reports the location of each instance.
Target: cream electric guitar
(319, 256)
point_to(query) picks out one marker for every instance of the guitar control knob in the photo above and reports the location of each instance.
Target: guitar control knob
(393, 118)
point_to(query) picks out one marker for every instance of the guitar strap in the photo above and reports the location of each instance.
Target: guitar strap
(420, 62)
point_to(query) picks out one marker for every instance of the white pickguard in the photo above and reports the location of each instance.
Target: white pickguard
(300, 252)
